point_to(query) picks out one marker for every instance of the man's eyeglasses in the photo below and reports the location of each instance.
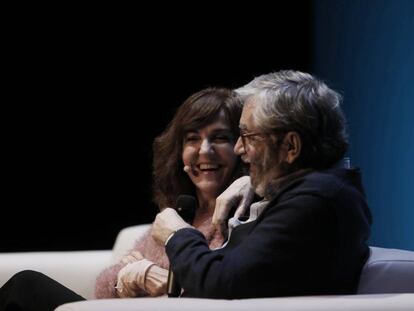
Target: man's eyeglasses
(247, 138)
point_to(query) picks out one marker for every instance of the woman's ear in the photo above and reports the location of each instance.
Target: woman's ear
(294, 146)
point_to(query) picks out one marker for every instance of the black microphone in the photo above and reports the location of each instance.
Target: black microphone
(185, 206)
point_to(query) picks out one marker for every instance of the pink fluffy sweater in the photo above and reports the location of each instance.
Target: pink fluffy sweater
(106, 281)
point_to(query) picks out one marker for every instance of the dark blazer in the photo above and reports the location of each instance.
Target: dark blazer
(309, 240)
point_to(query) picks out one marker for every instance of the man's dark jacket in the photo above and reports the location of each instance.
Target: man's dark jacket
(309, 240)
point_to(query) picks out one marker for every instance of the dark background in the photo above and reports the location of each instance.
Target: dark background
(88, 89)
(89, 99)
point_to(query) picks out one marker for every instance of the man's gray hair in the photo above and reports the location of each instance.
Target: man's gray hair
(297, 101)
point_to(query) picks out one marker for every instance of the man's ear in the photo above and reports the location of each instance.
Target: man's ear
(294, 146)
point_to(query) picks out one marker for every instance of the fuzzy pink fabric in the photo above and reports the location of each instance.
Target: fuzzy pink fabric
(106, 281)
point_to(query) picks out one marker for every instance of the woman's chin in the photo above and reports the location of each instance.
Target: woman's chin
(209, 187)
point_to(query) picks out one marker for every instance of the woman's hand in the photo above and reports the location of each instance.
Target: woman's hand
(132, 257)
(141, 275)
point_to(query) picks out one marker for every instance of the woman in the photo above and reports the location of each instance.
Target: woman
(202, 165)
(194, 156)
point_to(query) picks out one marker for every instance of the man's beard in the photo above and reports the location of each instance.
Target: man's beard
(265, 170)
(257, 181)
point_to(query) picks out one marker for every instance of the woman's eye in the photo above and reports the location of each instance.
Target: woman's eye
(191, 138)
(221, 138)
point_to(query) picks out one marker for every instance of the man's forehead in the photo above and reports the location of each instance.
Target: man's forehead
(246, 120)
(250, 102)
(248, 109)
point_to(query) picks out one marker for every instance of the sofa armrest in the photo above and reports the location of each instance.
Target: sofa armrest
(387, 270)
(77, 270)
(126, 239)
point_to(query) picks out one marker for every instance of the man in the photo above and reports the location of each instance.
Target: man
(307, 236)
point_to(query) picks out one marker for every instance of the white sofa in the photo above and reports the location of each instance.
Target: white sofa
(387, 282)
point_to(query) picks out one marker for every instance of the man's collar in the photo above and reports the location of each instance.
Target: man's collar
(274, 186)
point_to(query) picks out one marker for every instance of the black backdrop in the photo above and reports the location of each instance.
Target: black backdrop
(87, 107)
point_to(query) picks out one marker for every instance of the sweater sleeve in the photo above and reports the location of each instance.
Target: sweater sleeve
(106, 281)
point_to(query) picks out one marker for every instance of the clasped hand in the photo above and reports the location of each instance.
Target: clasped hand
(140, 275)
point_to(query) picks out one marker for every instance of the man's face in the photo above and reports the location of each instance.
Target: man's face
(253, 147)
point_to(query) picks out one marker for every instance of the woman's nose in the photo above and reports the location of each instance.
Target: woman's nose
(205, 147)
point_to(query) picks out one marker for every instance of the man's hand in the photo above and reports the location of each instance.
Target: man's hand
(166, 223)
(239, 194)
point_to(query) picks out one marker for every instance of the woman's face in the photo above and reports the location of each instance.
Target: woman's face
(209, 157)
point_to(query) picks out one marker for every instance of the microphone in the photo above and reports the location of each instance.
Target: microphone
(187, 169)
(185, 206)
(190, 169)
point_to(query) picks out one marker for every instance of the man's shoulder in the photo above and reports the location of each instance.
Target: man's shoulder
(326, 183)
(327, 178)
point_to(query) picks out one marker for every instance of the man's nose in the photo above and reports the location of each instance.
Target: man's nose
(239, 147)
